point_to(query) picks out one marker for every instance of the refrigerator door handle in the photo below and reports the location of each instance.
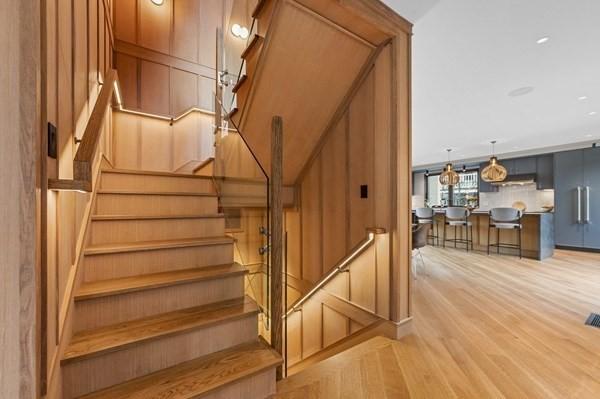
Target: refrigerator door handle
(579, 204)
(587, 204)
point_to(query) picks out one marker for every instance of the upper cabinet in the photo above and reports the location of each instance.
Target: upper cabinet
(545, 172)
(525, 165)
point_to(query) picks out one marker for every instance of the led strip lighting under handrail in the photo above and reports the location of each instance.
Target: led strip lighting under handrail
(338, 269)
(156, 116)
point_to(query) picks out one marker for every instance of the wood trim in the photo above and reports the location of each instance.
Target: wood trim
(259, 7)
(163, 59)
(380, 15)
(276, 230)
(82, 164)
(341, 109)
(348, 308)
(204, 163)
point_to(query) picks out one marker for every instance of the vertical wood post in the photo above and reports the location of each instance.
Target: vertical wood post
(276, 231)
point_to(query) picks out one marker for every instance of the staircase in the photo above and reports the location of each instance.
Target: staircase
(160, 309)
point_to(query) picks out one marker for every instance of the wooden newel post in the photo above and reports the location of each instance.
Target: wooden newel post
(276, 231)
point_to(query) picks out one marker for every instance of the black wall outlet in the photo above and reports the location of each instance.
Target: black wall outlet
(364, 191)
(52, 144)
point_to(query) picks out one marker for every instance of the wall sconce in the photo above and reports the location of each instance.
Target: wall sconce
(239, 31)
(158, 2)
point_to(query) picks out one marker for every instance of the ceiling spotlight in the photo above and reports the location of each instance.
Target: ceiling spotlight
(158, 2)
(521, 91)
(592, 113)
(240, 31)
(589, 136)
(582, 98)
(543, 40)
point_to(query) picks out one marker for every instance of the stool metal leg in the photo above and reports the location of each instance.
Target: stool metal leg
(520, 240)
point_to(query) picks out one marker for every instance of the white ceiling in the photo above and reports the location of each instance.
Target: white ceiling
(469, 54)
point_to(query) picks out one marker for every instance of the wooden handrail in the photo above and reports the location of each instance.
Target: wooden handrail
(339, 268)
(84, 157)
(82, 164)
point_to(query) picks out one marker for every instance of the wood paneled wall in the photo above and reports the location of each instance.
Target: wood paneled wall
(166, 55)
(145, 143)
(20, 69)
(79, 52)
(332, 217)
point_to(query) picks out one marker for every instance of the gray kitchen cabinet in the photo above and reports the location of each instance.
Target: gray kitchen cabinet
(523, 166)
(591, 198)
(545, 172)
(577, 198)
(509, 164)
(568, 180)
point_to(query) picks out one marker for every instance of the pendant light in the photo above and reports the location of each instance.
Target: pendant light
(494, 172)
(449, 177)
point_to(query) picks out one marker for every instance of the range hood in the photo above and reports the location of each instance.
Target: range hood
(517, 180)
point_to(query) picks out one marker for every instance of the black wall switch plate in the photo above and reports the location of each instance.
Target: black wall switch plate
(364, 191)
(52, 144)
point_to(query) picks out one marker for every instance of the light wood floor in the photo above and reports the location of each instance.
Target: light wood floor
(484, 327)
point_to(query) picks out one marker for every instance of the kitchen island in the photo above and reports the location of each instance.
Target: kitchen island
(538, 234)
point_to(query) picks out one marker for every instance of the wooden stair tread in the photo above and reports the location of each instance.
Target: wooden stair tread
(165, 193)
(232, 113)
(102, 288)
(153, 173)
(108, 339)
(239, 83)
(158, 217)
(197, 377)
(154, 245)
(256, 40)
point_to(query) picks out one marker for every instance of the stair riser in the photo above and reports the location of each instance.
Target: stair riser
(251, 61)
(119, 181)
(99, 312)
(109, 266)
(242, 93)
(106, 370)
(154, 205)
(128, 231)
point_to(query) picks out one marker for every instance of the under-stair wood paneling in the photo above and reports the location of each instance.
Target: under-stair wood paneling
(297, 38)
(165, 55)
(346, 304)
(145, 143)
(356, 152)
(78, 46)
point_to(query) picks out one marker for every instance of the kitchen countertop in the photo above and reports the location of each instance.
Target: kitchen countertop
(485, 212)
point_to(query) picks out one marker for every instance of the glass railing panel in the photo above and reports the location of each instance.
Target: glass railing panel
(243, 189)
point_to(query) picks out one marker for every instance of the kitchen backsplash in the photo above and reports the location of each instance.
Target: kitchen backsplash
(506, 196)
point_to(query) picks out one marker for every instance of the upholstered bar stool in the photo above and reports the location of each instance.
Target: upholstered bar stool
(426, 216)
(458, 217)
(505, 219)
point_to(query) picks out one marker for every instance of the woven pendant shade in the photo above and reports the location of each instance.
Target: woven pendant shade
(449, 177)
(494, 172)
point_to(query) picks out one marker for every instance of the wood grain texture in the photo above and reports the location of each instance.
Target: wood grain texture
(276, 232)
(484, 326)
(19, 167)
(113, 338)
(199, 376)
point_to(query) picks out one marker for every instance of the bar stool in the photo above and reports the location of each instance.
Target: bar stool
(458, 217)
(426, 216)
(505, 219)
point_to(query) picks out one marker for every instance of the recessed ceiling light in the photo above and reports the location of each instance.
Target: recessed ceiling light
(521, 91)
(158, 2)
(592, 113)
(240, 31)
(588, 135)
(543, 40)
(582, 98)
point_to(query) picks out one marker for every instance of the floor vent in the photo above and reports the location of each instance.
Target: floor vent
(593, 320)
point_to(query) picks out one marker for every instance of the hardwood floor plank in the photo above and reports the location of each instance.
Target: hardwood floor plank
(484, 327)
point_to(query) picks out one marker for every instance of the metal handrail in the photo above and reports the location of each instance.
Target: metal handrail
(341, 267)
